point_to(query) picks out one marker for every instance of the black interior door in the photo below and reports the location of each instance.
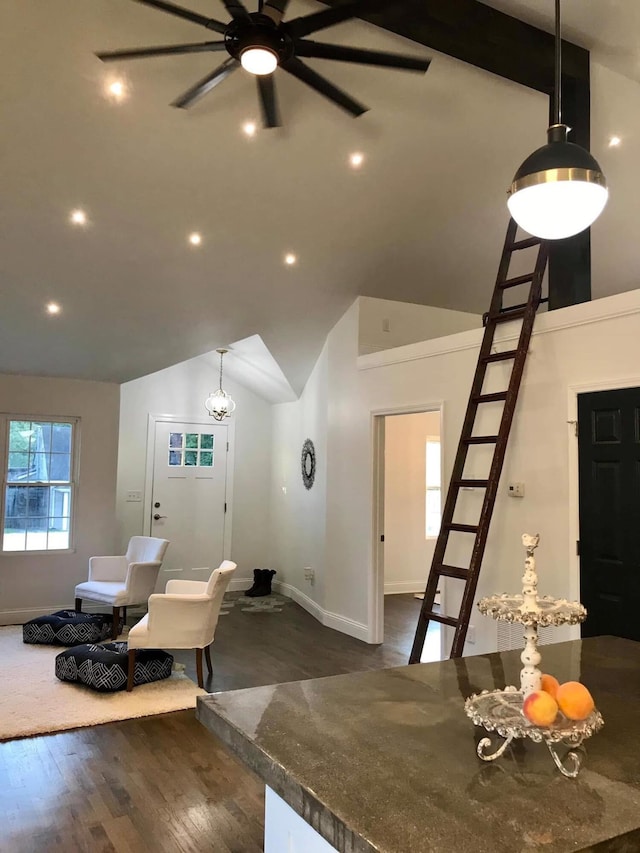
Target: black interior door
(609, 469)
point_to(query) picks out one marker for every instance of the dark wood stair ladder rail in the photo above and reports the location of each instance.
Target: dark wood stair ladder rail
(496, 315)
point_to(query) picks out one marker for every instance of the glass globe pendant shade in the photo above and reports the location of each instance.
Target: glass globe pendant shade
(259, 60)
(219, 405)
(559, 190)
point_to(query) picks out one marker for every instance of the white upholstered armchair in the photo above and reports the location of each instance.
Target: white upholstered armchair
(124, 581)
(183, 617)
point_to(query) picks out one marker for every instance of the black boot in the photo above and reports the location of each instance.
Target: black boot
(257, 574)
(263, 584)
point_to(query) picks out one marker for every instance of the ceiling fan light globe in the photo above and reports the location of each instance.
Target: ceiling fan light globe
(259, 60)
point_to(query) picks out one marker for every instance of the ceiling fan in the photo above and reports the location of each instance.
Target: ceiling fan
(262, 41)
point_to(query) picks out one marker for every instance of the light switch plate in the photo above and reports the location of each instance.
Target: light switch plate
(134, 497)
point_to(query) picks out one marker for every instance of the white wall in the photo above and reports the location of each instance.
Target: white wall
(181, 390)
(31, 585)
(596, 342)
(385, 323)
(299, 514)
(407, 551)
(615, 110)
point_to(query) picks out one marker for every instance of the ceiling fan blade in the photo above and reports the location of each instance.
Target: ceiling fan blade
(318, 50)
(268, 100)
(300, 27)
(206, 84)
(236, 9)
(187, 14)
(275, 9)
(165, 50)
(323, 86)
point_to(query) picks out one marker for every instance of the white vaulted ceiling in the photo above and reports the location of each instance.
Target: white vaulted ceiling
(422, 220)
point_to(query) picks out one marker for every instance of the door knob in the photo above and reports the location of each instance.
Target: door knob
(157, 517)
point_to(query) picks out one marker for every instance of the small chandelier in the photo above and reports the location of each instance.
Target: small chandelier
(559, 190)
(219, 404)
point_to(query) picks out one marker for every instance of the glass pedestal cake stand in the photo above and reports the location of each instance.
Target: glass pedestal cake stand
(500, 711)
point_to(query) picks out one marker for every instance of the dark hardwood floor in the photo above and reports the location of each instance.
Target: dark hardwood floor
(164, 783)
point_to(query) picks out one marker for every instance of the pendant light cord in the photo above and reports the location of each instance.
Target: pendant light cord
(221, 357)
(557, 107)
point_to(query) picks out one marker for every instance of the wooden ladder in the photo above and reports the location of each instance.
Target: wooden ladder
(496, 315)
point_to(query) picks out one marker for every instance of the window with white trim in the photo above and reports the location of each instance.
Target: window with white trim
(433, 485)
(39, 478)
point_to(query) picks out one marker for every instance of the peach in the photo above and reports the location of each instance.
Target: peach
(540, 708)
(574, 700)
(549, 684)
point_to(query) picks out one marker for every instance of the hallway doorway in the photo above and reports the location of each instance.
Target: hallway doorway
(407, 511)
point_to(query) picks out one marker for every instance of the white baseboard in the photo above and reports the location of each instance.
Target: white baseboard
(325, 617)
(398, 587)
(19, 617)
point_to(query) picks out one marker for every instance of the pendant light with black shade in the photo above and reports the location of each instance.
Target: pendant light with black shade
(560, 189)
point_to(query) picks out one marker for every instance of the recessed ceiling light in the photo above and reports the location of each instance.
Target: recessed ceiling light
(195, 239)
(356, 159)
(614, 141)
(116, 89)
(78, 217)
(290, 259)
(249, 128)
(53, 308)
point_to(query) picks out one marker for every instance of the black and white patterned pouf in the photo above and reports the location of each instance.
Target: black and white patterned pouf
(67, 628)
(104, 668)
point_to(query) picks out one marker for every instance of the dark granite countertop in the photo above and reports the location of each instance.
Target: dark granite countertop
(385, 761)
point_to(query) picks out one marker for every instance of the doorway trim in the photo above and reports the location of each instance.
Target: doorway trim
(574, 478)
(375, 609)
(154, 419)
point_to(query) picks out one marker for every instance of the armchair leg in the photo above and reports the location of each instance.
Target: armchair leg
(199, 667)
(207, 654)
(116, 623)
(78, 605)
(131, 668)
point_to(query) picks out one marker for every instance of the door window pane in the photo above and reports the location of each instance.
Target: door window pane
(206, 459)
(191, 457)
(191, 440)
(175, 439)
(206, 441)
(175, 457)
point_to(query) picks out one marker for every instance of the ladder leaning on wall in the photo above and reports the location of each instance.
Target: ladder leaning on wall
(497, 314)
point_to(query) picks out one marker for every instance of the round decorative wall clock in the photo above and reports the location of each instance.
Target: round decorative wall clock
(308, 463)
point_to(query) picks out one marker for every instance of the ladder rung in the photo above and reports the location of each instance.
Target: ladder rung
(471, 484)
(491, 398)
(514, 282)
(507, 314)
(481, 439)
(462, 528)
(446, 620)
(453, 572)
(501, 356)
(525, 244)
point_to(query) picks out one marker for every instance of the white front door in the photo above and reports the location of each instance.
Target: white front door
(189, 495)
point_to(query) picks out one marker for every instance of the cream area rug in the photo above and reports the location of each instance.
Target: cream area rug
(34, 702)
